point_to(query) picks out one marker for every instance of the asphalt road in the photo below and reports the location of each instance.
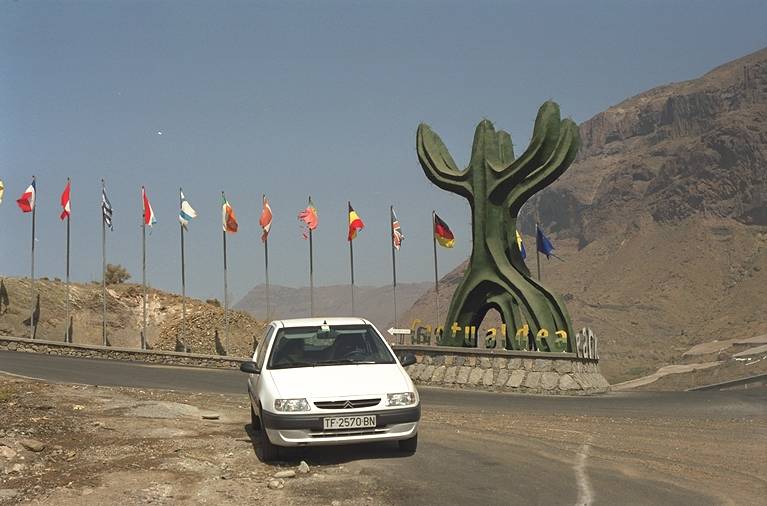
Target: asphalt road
(489, 448)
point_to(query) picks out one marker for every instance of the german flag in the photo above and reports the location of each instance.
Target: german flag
(442, 233)
(355, 223)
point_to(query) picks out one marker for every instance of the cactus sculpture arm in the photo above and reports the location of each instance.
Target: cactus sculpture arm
(496, 186)
(438, 164)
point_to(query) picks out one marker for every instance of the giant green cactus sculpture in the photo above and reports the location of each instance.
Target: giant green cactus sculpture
(496, 186)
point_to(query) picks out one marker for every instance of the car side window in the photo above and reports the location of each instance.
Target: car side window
(263, 345)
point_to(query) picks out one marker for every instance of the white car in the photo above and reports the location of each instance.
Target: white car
(329, 381)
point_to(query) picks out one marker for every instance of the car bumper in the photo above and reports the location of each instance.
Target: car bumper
(306, 430)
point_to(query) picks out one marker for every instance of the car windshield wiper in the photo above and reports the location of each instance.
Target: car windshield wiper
(293, 364)
(345, 361)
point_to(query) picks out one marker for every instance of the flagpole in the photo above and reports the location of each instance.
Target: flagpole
(351, 264)
(32, 322)
(226, 289)
(311, 271)
(266, 269)
(436, 271)
(143, 266)
(537, 252)
(393, 263)
(103, 269)
(67, 336)
(183, 276)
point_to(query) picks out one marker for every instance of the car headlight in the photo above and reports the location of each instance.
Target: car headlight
(401, 399)
(291, 405)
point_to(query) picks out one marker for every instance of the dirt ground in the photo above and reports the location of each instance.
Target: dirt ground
(129, 446)
(75, 444)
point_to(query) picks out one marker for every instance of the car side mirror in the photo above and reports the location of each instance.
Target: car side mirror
(407, 359)
(250, 367)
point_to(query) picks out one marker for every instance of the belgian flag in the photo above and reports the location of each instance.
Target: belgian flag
(355, 223)
(442, 233)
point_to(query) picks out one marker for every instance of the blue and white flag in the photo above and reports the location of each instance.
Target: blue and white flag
(186, 213)
(106, 209)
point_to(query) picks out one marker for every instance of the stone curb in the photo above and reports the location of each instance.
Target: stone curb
(504, 370)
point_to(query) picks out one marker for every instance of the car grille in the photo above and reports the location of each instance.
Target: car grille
(347, 403)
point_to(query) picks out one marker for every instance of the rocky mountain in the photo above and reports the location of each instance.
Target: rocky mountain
(204, 324)
(661, 221)
(690, 149)
(374, 303)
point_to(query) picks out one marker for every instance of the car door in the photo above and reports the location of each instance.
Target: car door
(260, 358)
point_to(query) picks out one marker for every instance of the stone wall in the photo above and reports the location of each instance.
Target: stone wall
(108, 352)
(504, 371)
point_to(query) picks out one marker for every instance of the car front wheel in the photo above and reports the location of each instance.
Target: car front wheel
(255, 423)
(409, 445)
(269, 451)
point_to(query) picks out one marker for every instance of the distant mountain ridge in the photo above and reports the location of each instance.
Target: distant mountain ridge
(374, 303)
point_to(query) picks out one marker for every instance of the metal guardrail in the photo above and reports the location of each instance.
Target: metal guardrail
(758, 380)
(115, 353)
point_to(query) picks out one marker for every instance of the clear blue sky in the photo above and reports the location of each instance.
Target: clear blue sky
(292, 98)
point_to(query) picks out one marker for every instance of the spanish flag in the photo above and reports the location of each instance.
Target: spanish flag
(355, 223)
(442, 233)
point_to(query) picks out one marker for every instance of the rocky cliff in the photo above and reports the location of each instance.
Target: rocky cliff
(696, 148)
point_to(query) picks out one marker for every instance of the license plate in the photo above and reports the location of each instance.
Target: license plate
(349, 422)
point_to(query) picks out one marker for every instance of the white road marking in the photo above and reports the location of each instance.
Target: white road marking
(585, 492)
(21, 376)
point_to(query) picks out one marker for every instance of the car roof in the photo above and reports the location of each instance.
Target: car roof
(316, 322)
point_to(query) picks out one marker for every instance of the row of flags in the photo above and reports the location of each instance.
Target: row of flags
(309, 218)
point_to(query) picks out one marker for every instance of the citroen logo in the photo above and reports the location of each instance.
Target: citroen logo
(348, 405)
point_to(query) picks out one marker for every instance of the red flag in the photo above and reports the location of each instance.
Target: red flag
(229, 221)
(65, 202)
(149, 217)
(309, 217)
(266, 219)
(27, 200)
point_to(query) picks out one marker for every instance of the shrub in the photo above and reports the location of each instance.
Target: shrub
(116, 274)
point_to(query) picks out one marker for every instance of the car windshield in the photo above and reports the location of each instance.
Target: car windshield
(328, 345)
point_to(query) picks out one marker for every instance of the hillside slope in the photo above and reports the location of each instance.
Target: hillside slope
(125, 317)
(661, 221)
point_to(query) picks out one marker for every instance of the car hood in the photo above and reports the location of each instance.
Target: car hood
(339, 381)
